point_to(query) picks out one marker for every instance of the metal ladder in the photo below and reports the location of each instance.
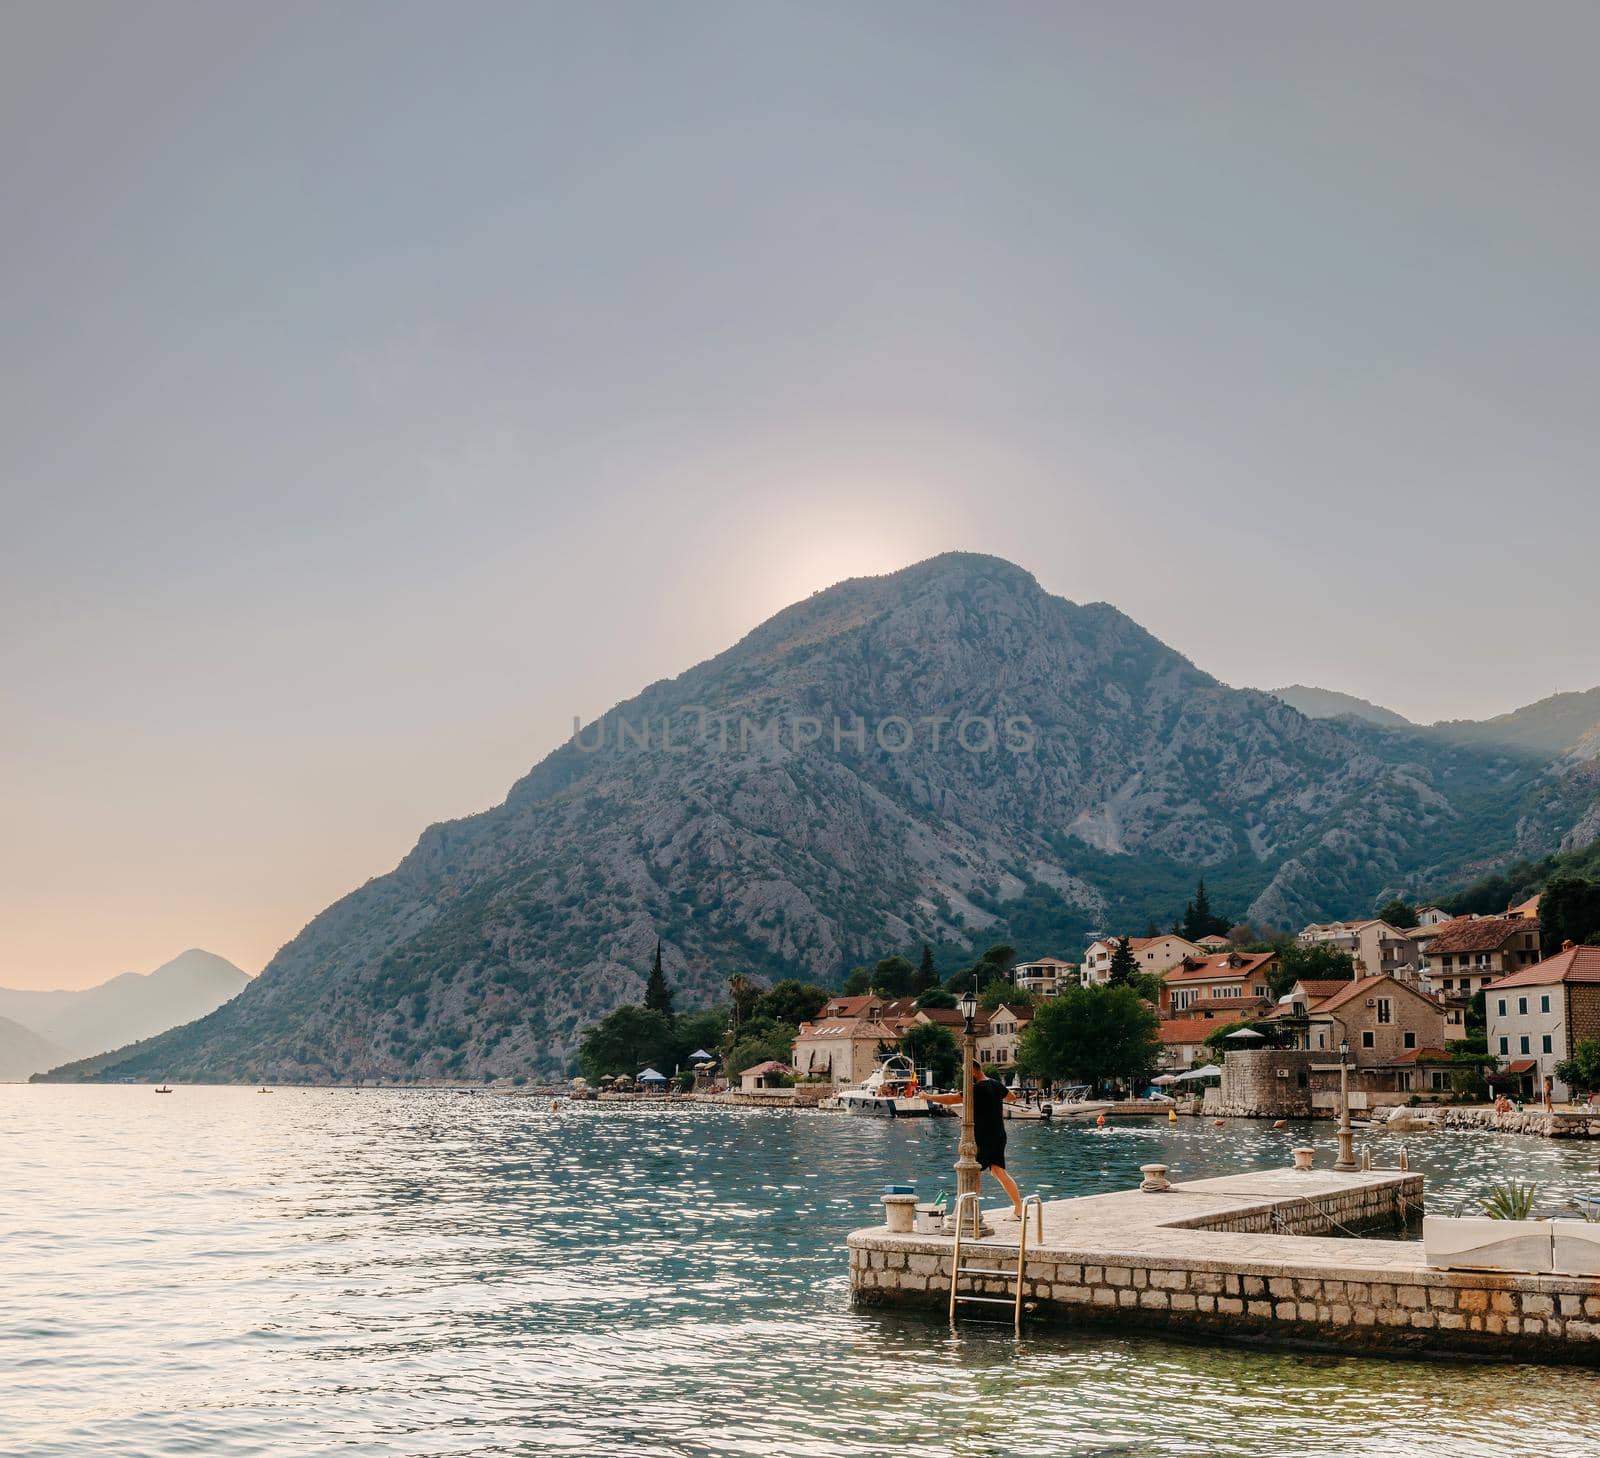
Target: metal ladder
(957, 1270)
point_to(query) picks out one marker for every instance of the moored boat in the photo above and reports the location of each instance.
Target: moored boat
(889, 1092)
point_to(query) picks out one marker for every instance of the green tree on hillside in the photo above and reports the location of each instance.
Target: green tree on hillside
(1198, 918)
(936, 997)
(996, 962)
(1398, 914)
(1124, 965)
(1569, 910)
(931, 1046)
(927, 974)
(657, 995)
(1310, 962)
(1090, 1035)
(791, 1001)
(1000, 990)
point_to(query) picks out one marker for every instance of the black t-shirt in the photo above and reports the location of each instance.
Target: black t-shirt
(988, 1118)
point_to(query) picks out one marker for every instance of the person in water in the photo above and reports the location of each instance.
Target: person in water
(989, 1096)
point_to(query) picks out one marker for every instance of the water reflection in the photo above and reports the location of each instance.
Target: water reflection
(427, 1273)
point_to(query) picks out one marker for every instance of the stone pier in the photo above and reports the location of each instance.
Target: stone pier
(1258, 1256)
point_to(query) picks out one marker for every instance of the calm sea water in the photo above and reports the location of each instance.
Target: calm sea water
(225, 1273)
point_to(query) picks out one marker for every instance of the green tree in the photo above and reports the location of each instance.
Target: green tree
(792, 1001)
(1398, 914)
(657, 995)
(936, 997)
(996, 962)
(857, 982)
(744, 993)
(931, 1046)
(1198, 918)
(1000, 990)
(1092, 1034)
(626, 1040)
(700, 1031)
(1581, 1072)
(1569, 910)
(894, 977)
(1310, 962)
(755, 1047)
(927, 974)
(1124, 965)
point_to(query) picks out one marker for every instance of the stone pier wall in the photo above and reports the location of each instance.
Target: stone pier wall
(1251, 1257)
(1266, 1083)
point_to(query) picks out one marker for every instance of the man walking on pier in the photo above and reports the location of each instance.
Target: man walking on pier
(989, 1096)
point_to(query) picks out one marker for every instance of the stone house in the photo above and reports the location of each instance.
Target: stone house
(842, 1050)
(1389, 1024)
(1466, 954)
(770, 1074)
(1537, 1015)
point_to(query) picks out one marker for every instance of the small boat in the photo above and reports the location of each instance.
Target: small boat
(1016, 1110)
(263, 1090)
(1588, 1205)
(163, 1089)
(889, 1092)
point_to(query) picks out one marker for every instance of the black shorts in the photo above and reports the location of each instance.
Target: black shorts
(992, 1158)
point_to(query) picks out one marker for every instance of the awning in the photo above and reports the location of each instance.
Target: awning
(1209, 1071)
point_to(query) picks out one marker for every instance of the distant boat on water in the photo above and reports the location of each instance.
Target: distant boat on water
(163, 1089)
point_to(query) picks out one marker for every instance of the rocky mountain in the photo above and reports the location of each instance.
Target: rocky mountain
(127, 1008)
(24, 1053)
(947, 753)
(1321, 703)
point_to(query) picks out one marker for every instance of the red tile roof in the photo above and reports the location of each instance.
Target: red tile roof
(1576, 964)
(1365, 987)
(1319, 988)
(1194, 969)
(1188, 1030)
(1521, 1065)
(1418, 1055)
(1475, 934)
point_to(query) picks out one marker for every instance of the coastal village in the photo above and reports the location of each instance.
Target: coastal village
(1434, 1013)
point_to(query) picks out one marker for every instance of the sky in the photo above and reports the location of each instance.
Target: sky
(383, 384)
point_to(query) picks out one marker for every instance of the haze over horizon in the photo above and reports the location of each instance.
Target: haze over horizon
(382, 391)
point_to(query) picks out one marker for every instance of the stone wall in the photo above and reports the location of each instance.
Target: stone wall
(1562, 1124)
(1535, 1318)
(1251, 1087)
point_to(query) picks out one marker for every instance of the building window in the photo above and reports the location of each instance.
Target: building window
(1522, 1043)
(1366, 1038)
(1522, 1006)
(1505, 1045)
(1546, 1041)
(1410, 1040)
(1404, 1081)
(1385, 1011)
(1502, 1007)
(1544, 1006)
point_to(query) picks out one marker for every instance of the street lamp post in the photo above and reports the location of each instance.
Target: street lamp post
(967, 1151)
(1347, 1154)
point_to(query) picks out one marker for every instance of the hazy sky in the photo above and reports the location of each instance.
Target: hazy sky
(383, 384)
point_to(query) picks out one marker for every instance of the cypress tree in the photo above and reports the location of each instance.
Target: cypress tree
(657, 995)
(1124, 964)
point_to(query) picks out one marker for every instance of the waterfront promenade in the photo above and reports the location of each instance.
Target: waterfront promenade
(1266, 1255)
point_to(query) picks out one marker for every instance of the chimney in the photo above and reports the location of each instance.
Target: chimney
(1567, 945)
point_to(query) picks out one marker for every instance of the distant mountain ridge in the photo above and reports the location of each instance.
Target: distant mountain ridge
(23, 1052)
(1321, 703)
(500, 936)
(125, 1009)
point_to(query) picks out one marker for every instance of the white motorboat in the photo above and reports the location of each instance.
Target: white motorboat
(889, 1092)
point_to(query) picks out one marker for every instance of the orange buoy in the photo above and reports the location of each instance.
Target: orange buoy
(1100, 1119)
(1280, 1124)
(1217, 1122)
(1172, 1116)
